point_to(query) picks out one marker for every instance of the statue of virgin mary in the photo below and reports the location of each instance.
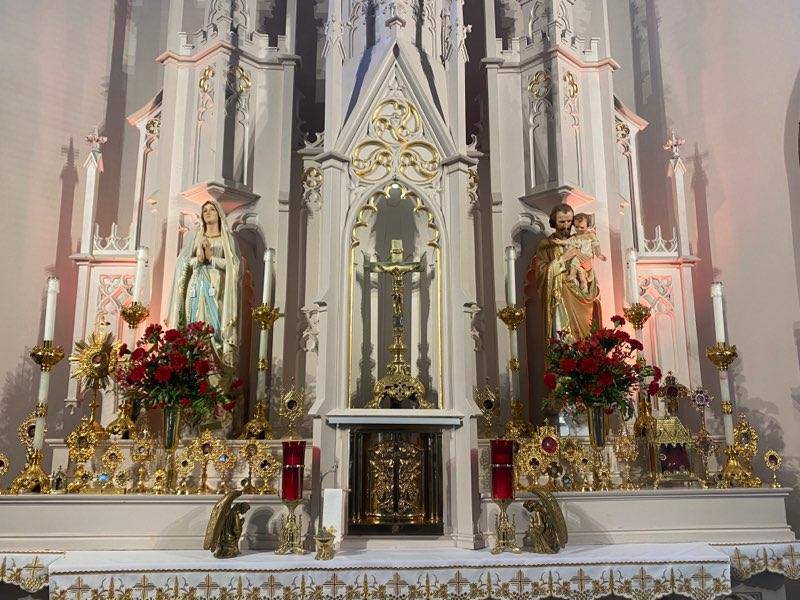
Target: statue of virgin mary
(206, 284)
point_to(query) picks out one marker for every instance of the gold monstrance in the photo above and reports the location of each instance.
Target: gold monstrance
(398, 384)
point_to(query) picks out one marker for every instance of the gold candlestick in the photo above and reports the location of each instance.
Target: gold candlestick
(33, 478)
(637, 314)
(722, 355)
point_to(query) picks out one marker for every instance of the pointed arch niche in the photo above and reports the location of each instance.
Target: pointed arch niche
(394, 210)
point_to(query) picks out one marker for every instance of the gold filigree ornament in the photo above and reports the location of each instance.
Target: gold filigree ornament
(82, 442)
(267, 470)
(5, 464)
(539, 84)
(80, 480)
(738, 469)
(626, 450)
(251, 453)
(141, 454)
(184, 467)
(395, 145)
(27, 428)
(224, 464)
(202, 451)
(93, 362)
(292, 408)
(773, 461)
(107, 479)
(160, 482)
(529, 465)
(205, 79)
(487, 399)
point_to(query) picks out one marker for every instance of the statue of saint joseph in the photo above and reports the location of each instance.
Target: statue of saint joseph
(565, 306)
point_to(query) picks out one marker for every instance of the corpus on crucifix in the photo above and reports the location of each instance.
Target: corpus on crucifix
(398, 384)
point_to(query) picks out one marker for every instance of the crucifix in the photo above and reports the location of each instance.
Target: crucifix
(398, 384)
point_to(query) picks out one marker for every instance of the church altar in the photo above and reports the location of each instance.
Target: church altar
(309, 320)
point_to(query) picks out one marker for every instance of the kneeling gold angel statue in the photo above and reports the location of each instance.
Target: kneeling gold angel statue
(225, 526)
(547, 530)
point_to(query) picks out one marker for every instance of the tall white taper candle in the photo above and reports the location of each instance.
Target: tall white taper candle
(138, 282)
(719, 313)
(266, 298)
(632, 277)
(53, 288)
(511, 277)
(269, 275)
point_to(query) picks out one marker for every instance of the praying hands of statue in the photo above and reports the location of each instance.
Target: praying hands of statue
(206, 249)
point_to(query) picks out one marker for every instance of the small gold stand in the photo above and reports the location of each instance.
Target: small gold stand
(627, 452)
(291, 540)
(202, 450)
(251, 453)
(141, 454)
(323, 542)
(123, 424)
(258, 427)
(773, 461)
(505, 533)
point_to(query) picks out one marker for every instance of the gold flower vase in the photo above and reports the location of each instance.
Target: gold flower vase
(172, 424)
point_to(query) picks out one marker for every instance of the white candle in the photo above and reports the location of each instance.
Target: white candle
(38, 430)
(50, 312)
(511, 281)
(632, 284)
(138, 282)
(269, 273)
(719, 314)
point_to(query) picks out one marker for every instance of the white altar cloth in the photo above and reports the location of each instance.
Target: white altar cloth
(640, 571)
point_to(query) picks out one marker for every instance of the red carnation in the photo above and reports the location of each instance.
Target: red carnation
(621, 334)
(229, 406)
(203, 388)
(185, 402)
(588, 365)
(568, 365)
(153, 329)
(138, 354)
(656, 374)
(123, 350)
(550, 380)
(163, 373)
(137, 374)
(636, 345)
(202, 367)
(172, 335)
(618, 320)
(178, 361)
(605, 379)
(237, 383)
(653, 388)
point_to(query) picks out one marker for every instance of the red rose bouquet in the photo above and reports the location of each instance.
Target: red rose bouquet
(601, 370)
(177, 368)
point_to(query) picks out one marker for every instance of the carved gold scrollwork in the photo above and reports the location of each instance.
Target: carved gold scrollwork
(205, 79)
(539, 85)
(571, 91)
(394, 144)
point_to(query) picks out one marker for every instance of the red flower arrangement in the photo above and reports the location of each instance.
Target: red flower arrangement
(602, 369)
(177, 367)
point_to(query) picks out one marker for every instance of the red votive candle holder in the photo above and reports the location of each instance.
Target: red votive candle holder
(292, 474)
(502, 465)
